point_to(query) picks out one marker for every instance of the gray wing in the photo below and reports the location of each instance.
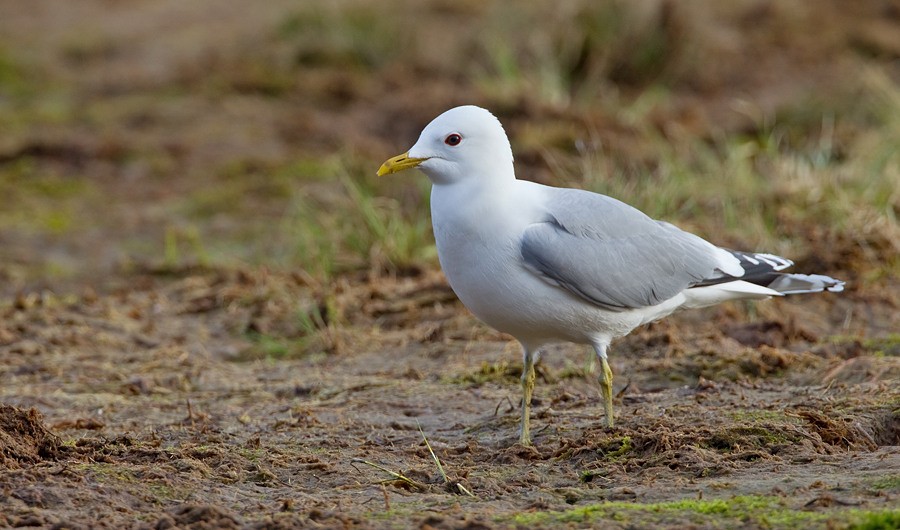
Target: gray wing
(612, 254)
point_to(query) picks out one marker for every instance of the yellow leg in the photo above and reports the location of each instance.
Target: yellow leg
(605, 379)
(606, 388)
(527, 390)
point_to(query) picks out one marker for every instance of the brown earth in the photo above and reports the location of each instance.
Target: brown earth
(137, 392)
(168, 419)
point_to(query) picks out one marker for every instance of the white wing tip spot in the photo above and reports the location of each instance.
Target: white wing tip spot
(776, 262)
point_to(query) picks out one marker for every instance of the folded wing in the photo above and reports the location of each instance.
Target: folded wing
(615, 256)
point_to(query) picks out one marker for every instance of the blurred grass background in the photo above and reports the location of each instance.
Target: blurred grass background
(161, 135)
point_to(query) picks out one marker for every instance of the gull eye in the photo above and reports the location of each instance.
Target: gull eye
(453, 139)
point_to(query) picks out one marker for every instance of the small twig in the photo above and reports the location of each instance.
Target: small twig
(387, 501)
(624, 389)
(190, 416)
(511, 407)
(462, 489)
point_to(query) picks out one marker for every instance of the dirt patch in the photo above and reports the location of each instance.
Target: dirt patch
(24, 439)
(198, 517)
(219, 432)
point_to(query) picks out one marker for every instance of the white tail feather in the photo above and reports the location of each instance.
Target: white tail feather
(721, 292)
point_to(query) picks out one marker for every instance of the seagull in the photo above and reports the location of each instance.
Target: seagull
(547, 264)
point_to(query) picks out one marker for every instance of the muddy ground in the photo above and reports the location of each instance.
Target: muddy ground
(165, 365)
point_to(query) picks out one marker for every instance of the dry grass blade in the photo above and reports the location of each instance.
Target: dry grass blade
(460, 489)
(434, 456)
(397, 476)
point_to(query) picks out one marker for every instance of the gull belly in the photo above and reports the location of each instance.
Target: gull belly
(479, 239)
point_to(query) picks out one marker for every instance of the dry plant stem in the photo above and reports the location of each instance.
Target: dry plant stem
(434, 456)
(511, 406)
(463, 490)
(387, 501)
(459, 487)
(397, 476)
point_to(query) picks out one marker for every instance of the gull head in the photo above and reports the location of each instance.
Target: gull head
(462, 144)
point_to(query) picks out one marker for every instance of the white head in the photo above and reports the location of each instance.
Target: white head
(462, 143)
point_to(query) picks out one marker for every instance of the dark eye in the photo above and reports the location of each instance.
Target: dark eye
(453, 139)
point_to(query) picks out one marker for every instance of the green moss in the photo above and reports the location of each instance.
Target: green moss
(749, 416)
(890, 482)
(126, 478)
(163, 492)
(253, 455)
(750, 436)
(618, 448)
(881, 520)
(752, 510)
(110, 473)
(500, 371)
(888, 345)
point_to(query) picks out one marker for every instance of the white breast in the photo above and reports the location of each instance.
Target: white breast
(478, 249)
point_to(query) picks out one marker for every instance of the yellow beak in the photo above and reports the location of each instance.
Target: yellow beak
(399, 163)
